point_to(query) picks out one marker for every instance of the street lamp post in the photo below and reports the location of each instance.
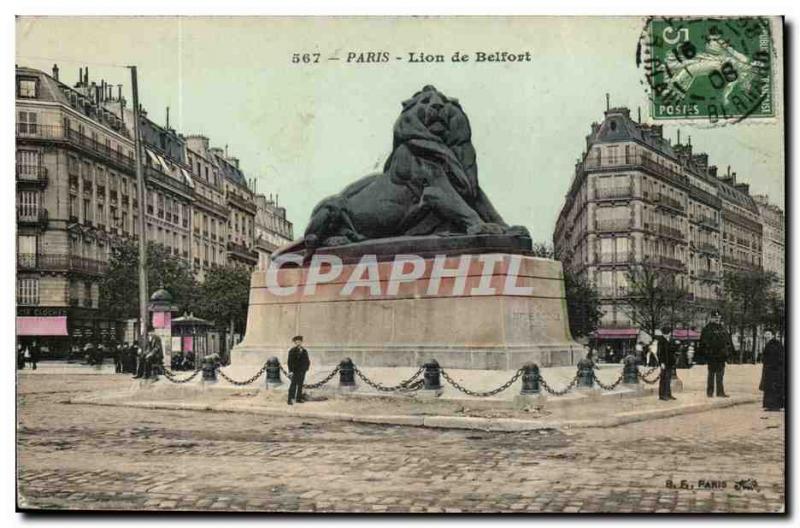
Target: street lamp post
(140, 196)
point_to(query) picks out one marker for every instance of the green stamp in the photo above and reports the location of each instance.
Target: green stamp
(718, 69)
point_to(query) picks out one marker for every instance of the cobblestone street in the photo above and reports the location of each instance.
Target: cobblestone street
(93, 457)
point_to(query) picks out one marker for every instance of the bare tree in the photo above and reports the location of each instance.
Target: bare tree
(655, 298)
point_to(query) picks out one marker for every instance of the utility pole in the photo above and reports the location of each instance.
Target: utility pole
(140, 196)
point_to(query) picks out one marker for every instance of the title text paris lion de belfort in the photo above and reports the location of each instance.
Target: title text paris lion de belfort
(413, 57)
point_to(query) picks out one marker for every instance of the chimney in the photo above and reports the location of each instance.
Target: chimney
(80, 77)
(55, 71)
(639, 113)
(679, 137)
(608, 102)
(167, 118)
(86, 76)
(712, 170)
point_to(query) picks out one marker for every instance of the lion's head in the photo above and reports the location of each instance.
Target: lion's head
(430, 114)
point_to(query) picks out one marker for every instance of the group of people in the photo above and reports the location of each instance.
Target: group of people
(716, 346)
(28, 355)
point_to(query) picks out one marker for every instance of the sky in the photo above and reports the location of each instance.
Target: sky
(304, 131)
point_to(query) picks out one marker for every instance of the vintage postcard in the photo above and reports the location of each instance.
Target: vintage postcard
(401, 264)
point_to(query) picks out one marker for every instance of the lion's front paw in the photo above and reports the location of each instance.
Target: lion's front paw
(485, 228)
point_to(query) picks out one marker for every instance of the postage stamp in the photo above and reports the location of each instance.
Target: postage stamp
(716, 69)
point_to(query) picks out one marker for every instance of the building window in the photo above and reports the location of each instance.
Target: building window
(26, 88)
(28, 203)
(28, 291)
(27, 123)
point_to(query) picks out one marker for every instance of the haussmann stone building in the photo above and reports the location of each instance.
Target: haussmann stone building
(76, 196)
(637, 198)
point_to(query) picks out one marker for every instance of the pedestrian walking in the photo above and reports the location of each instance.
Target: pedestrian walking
(27, 355)
(666, 354)
(298, 363)
(690, 355)
(118, 359)
(773, 375)
(154, 357)
(20, 356)
(715, 345)
(34, 354)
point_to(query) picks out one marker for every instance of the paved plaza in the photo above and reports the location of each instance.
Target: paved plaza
(95, 457)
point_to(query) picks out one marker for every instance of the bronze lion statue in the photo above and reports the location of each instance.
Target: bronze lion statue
(429, 184)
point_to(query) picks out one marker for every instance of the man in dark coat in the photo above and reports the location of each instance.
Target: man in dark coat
(34, 354)
(154, 356)
(772, 374)
(715, 345)
(666, 357)
(298, 363)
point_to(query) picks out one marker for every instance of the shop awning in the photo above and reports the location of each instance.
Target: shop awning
(616, 333)
(42, 326)
(686, 334)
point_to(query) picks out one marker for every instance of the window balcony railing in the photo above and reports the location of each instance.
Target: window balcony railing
(614, 192)
(34, 216)
(611, 226)
(739, 263)
(243, 251)
(612, 292)
(636, 161)
(705, 247)
(670, 232)
(667, 201)
(704, 274)
(31, 174)
(61, 262)
(670, 262)
(615, 258)
(76, 139)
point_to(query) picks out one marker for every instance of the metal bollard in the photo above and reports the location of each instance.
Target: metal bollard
(209, 371)
(586, 373)
(347, 373)
(273, 370)
(430, 377)
(530, 379)
(630, 370)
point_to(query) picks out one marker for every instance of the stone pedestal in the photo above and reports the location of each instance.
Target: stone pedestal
(493, 311)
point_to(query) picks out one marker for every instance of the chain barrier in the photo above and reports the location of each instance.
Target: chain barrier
(406, 385)
(465, 390)
(240, 383)
(174, 379)
(607, 387)
(643, 377)
(561, 392)
(323, 381)
(316, 385)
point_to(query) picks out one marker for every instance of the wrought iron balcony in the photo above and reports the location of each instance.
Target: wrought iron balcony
(611, 226)
(61, 262)
(75, 139)
(33, 174)
(710, 275)
(32, 217)
(614, 258)
(670, 262)
(669, 202)
(612, 193)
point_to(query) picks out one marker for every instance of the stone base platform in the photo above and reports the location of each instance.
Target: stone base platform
(491, 311)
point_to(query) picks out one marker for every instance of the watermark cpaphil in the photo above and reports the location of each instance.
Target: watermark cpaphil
(494, 274)
(713, 69)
